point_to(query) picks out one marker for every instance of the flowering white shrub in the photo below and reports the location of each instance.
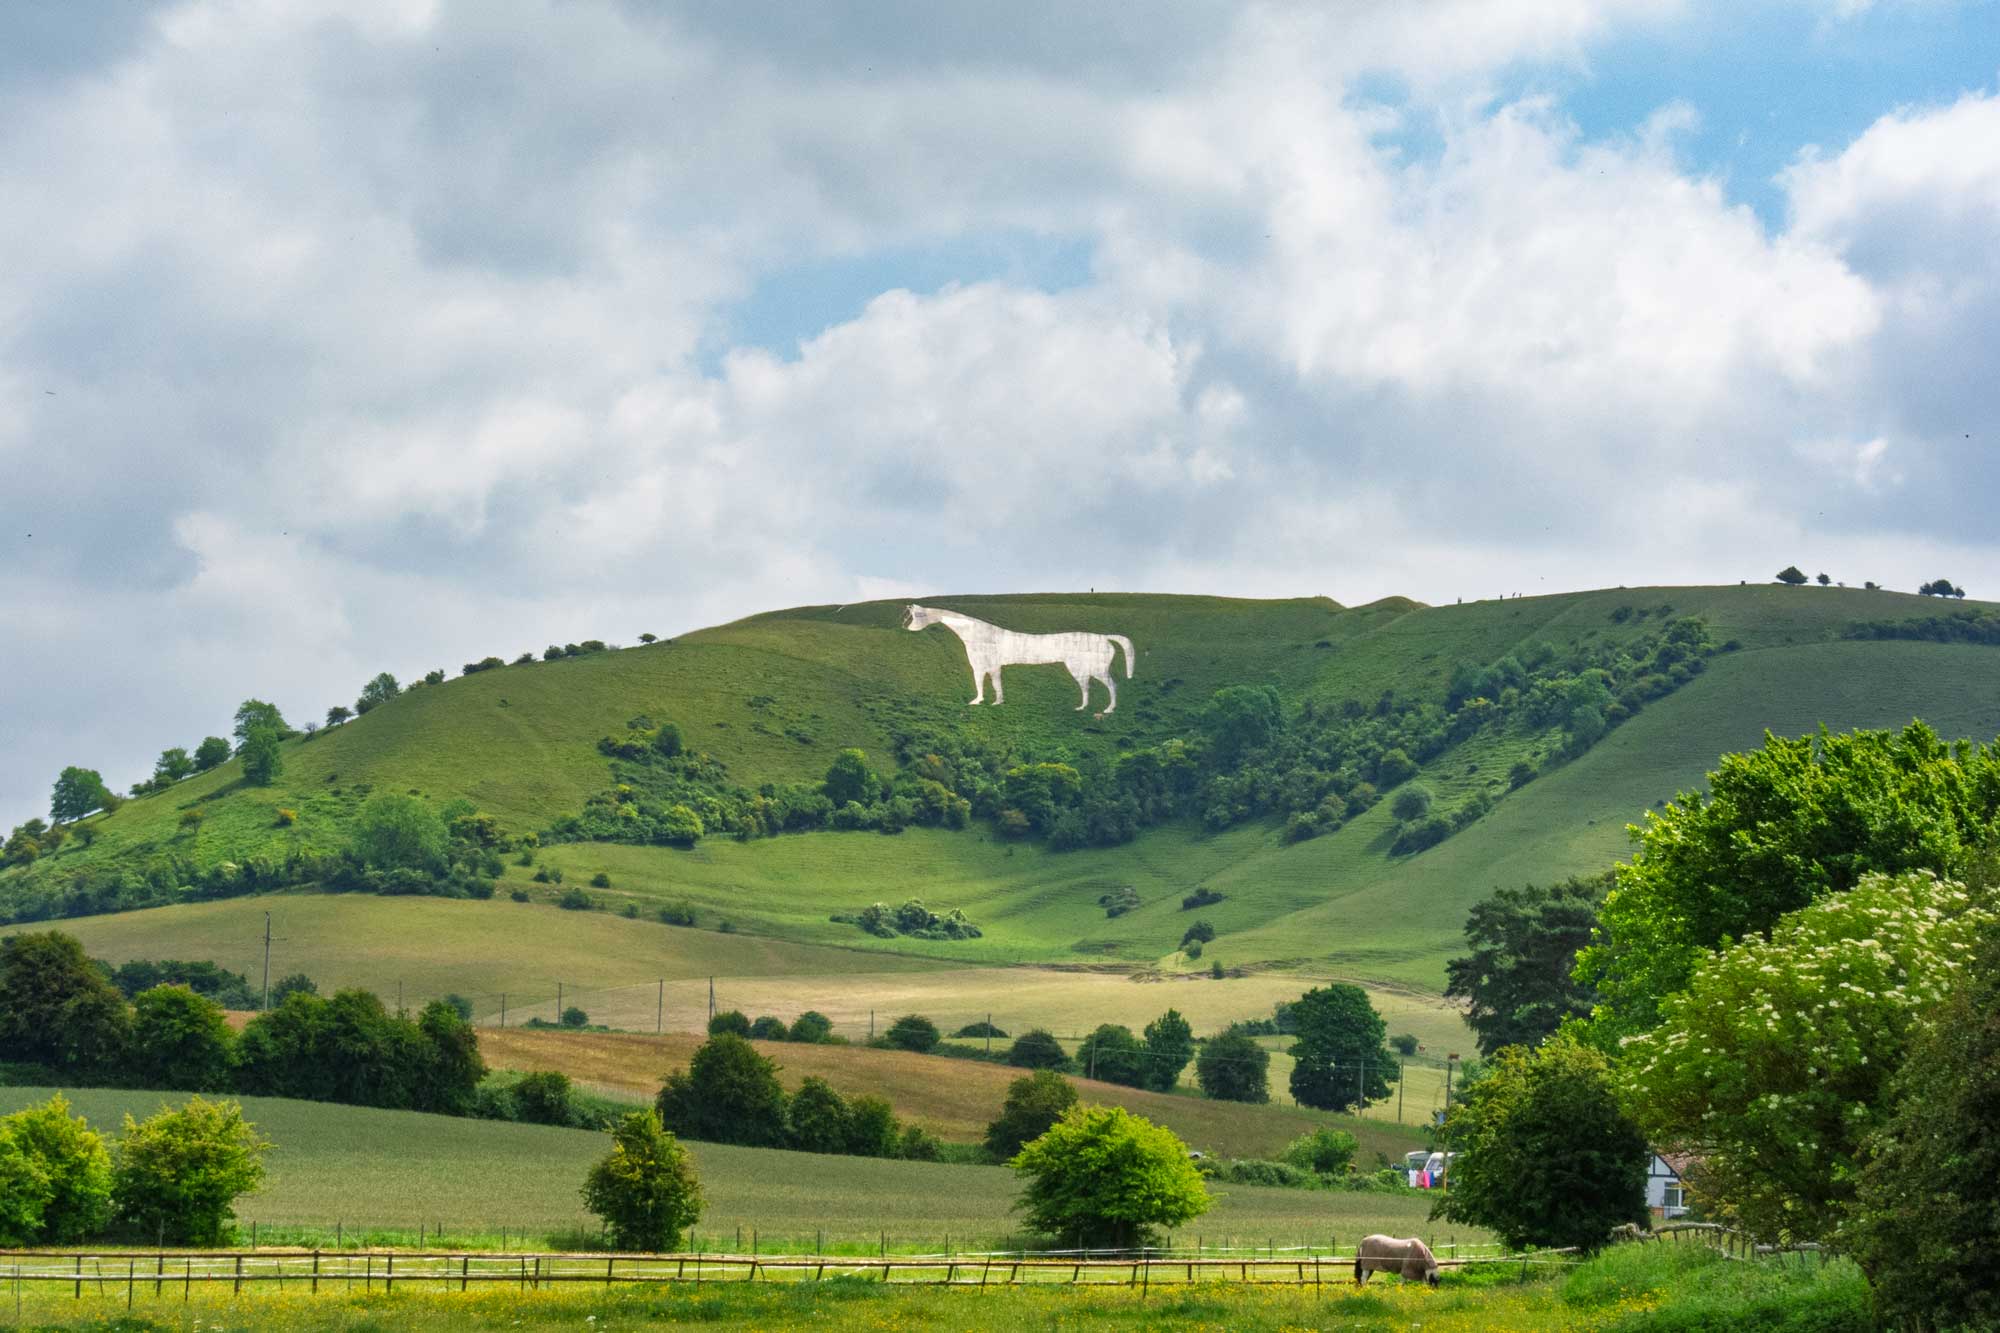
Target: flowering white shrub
(1772, 1066)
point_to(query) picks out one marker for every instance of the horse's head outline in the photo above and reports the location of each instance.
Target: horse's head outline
(919, 617)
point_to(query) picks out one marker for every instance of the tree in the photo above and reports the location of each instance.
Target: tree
(913, 1032)
(78, 792)
(56, 1007)
(1113, 1054)
(254, 713)
(1037, 1049)
(1241, 718)
(1325, 1151)
(398, 832)
(819, 1118)
(451, 1067)
(212, 751)
(728, 1094)
(1927, 1217)
(1773, 1065)
(872, 1130)
(1339, 1059)
(1792, 574)
(543, 1098)
(1778, 828)
(179, 1174)
(296, 984)
(1546, 1157)
(1519, 978)
(1940, 588)
(667, 740)
(645, 1189)
(769, 1028)
(1169, 1047)
(63, 1171)
(1232, 1067)
(1822, 579)
(1033, 1104)
(811, 1027)
(380, 690)
(338, 714)
(179, 1040)
(649, 638)
(680, 826)
(732, 1022)
(1105, 1177)
(574, 1017)
(173, 764)
(849, 778)
(1412, 802)
(263, 762)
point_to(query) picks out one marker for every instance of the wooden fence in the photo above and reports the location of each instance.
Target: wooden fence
(163, 1274)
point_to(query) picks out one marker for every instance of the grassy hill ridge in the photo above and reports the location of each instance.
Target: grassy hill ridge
(774, 696)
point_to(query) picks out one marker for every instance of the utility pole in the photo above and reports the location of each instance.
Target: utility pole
(1449, 1061)
(503, 1009)
(267, 963)
(1399, 1092)
(399, 998)
(711, 999)
(558, 1002)
(989, 1032)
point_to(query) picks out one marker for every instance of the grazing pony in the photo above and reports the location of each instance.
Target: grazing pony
(1409, 1259)
(988, 647)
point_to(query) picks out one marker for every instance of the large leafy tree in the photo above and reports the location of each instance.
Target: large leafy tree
(728, 1094)
(1339, 1057)
(63, 1181)
(78, 792)
(179, 1174)
(1113, 1054)
(379, 690)
(212, 751)
(849, 778)
(56, 1007)
(1773, 1065)
(180, 1040)
(1545, 1154)
(1232, 1067)
(1169, 1047)
(1033, 1104)
(1518, 979)
(263, 758)
(173, 764)
(1927, 1217)
(254, 713)
(1241, 718)
(645, 1189)
(1105, 1177)
(398, 832)
(1778, 828)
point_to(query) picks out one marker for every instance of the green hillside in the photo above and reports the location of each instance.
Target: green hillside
(774, 697)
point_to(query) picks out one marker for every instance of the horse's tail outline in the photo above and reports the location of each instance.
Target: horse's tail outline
(1130, 656)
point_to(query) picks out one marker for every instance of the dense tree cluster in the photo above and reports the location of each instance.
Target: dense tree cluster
(60, 1010)
(729, 1093)
(1519, 979)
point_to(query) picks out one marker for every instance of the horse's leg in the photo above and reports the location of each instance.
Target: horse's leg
(1081, 675)
(978, 683)
(1111, 686)
(999, 690)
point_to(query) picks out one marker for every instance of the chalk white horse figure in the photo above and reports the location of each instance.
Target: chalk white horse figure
(1087, 656)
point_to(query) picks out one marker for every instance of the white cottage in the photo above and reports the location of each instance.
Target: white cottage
(1666, 1192)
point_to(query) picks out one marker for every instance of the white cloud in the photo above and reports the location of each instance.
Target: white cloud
(348, 336)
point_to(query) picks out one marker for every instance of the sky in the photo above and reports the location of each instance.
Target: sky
(347, 337)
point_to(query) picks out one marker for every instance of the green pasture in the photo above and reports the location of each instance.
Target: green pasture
(390, 1171)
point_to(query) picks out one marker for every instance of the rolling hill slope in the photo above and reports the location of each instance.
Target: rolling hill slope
(774, 697)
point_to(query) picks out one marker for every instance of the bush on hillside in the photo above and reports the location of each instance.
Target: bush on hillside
(544, 1097)
(180, 1040)
(1102, 1176)
(1201, 897)
(767, 1028)
(645, 1189)
(575, 900)
(678, 914)
(913, 1032)
(1037, 1049)
(979, 1029)
(1325, 1151)
(55, 1177)
(812, 1027)
(179, 1173)
(730, 1022)
(1111, 1053)
(819, 1118)
(1412, 802)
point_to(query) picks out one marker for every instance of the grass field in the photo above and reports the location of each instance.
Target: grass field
(612, 967)
(955, 1098)
(392, 1170)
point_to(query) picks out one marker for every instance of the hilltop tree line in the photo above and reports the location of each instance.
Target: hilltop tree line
(1796, 577)
(1246, 758)
(1792, 979)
